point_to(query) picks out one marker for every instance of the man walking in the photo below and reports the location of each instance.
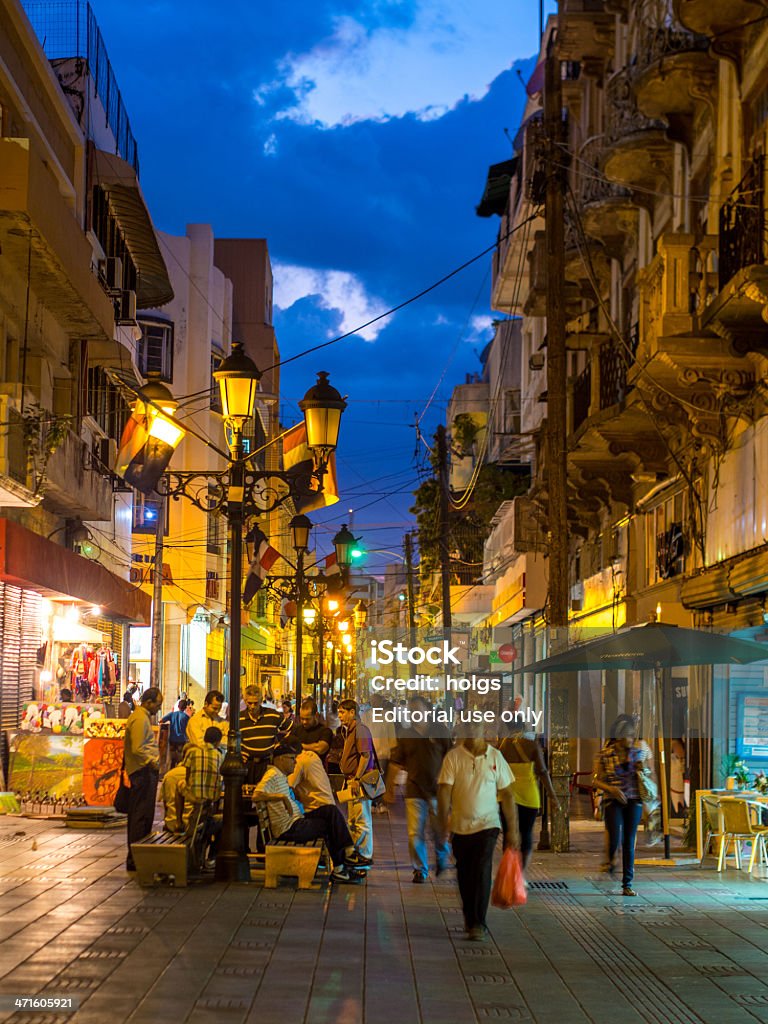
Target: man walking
(421, 755)
(473, 779)
(259, 728)
(142, 764)
(357, 758)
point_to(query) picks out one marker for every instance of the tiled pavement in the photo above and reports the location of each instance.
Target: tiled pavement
(692, 947)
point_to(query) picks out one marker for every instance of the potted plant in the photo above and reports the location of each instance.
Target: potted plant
(761, 783)
(741, 774)
(727, 768)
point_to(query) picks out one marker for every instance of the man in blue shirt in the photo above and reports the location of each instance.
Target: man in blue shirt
(178, 722)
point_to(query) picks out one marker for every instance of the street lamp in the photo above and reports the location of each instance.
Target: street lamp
(322, 407)
(300, 527)
(242, 490)
(344, 542)
(238, 379)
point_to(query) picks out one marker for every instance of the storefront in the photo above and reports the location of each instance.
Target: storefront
(61, 661)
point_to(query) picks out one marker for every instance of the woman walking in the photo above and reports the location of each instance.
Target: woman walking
(616, 774)
(526, 759)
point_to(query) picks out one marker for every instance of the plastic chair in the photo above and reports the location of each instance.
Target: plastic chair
(739, 826)
(713, 827)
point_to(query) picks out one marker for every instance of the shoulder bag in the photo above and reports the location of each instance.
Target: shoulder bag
(123, 795)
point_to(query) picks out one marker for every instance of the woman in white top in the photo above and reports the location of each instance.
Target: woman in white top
(472, 781)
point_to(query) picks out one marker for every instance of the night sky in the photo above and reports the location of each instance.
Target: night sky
(356, 139)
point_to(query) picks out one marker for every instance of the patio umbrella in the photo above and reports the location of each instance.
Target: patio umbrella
(655, 646)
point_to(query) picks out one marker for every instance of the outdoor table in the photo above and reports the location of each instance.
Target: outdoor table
(741, 794)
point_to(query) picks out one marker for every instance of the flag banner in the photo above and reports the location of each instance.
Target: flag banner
(264, 558)
(299, 462)
(331, 565)
(141, 458)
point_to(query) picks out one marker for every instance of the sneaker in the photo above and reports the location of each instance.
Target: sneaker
(356, 860)
(419, 878)
(628, 891)
(477, 934)
(340, 874)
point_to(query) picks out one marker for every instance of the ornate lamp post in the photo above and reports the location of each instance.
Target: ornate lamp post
(343, 542)
(243, 491)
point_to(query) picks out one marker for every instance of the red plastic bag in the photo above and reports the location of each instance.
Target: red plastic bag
(509, 884)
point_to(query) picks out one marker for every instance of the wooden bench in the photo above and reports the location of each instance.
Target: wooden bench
(299, 860)
(170, 857)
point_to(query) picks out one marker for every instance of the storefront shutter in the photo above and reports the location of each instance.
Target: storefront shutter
(20, 633)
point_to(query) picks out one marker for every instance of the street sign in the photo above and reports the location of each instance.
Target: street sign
(507, 652)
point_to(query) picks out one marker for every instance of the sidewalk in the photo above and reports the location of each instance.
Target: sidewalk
(691, 948)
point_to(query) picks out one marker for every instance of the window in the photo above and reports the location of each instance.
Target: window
(216, 360)
(105, 403)
(155, 350)
(145, 513)
(214, 541)
(666, 539)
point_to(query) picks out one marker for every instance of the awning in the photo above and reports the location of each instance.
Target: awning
(496, 195)
(118, 179)
(709, 588)
(31, 562)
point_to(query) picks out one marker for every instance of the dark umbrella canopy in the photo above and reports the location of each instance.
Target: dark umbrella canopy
(654, 645)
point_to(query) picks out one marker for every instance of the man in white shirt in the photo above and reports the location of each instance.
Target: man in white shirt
(473, 779)
(322, 821)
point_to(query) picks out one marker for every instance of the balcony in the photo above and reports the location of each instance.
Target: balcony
(637, 153)
(674, 77)
(740, 310)
(37, 224)
(586, 30)
(724, 21)
(17, 488)
(73, 486)
(514, 530)
(677, 351)
(608, 211)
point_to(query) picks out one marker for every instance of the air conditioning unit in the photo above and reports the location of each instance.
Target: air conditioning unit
(536, 362)
(125, 308)
(111, 273)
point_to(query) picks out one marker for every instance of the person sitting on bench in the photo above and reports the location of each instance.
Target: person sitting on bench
(203, 784)
(287, 820)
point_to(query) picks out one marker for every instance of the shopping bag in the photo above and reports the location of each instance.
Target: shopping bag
(509, 884)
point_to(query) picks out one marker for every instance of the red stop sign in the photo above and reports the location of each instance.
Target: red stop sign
(507, 652)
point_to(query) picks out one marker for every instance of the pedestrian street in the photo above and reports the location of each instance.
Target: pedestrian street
(691, 947)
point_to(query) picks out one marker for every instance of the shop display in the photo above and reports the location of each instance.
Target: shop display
(48, 765)
(65, 719)
(102, 760)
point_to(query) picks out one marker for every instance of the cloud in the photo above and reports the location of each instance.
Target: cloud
(480, 326)
(270, 145)
(336, 290)
(449, 52)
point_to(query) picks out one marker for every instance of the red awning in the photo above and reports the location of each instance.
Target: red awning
(30, 561)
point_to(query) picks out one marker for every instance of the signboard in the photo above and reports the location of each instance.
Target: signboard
(752, 726)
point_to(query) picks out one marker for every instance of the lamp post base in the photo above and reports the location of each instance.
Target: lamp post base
(231, 857)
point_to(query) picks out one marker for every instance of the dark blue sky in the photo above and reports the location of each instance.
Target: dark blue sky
(356, 139)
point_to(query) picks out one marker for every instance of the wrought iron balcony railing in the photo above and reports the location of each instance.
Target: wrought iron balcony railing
(742, 224)
(622, 115)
